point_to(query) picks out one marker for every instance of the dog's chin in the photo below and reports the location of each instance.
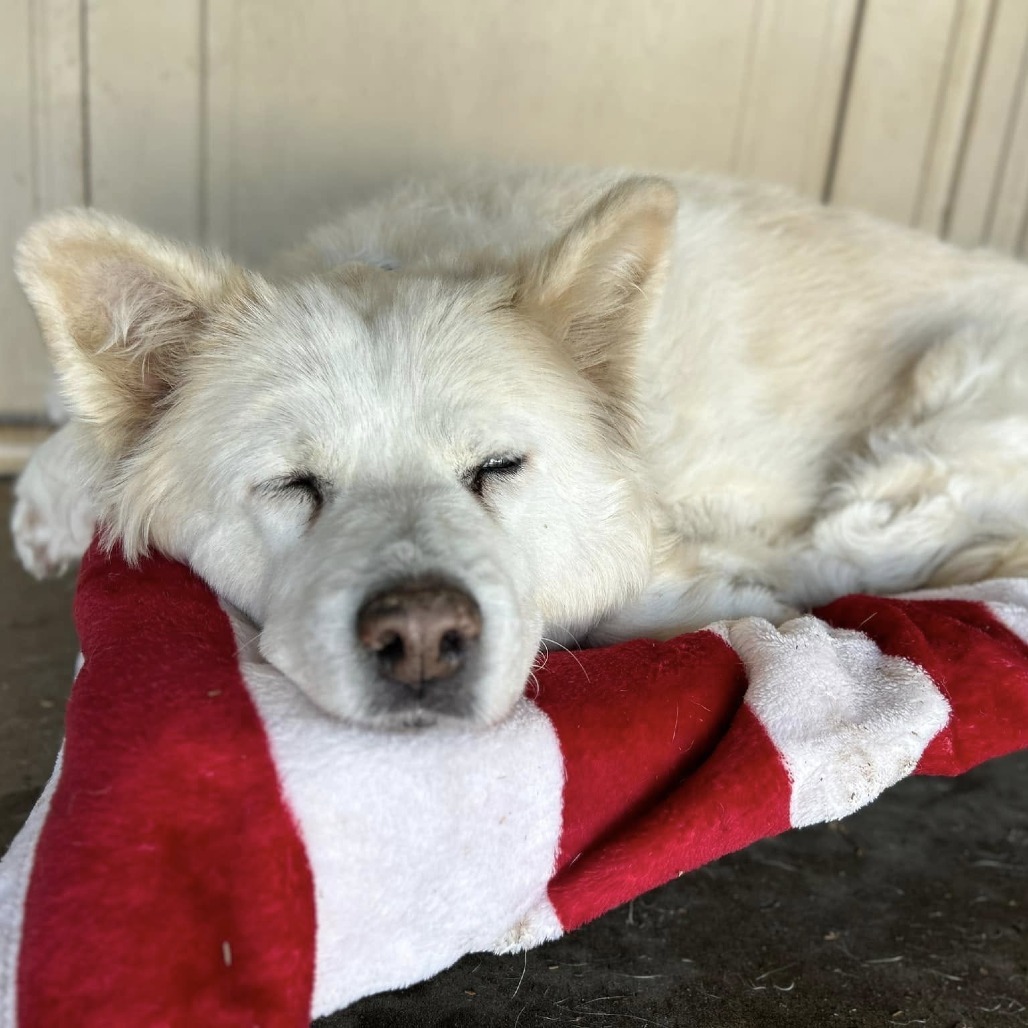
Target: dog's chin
(384, 717)
(416, 718)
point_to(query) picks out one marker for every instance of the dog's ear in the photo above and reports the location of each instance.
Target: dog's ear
(596, 288)
(121, 311)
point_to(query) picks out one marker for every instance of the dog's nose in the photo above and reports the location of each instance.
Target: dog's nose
(419, 632)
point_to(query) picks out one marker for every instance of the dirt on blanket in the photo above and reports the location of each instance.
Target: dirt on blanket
(912, 912)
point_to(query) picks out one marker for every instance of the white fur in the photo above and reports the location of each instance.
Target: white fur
(53, 518)
(813, 402)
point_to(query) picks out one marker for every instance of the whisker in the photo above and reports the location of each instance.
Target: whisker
(243, 644)
(532, 690)
(574, 656)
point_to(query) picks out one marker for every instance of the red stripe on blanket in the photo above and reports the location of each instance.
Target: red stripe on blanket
(977, 663)
(170, 885)
(666, 768)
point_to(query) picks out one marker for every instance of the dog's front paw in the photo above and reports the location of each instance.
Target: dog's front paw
(49, 540)
(52, 522)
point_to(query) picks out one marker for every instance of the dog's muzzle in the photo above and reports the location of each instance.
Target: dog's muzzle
(402, 609)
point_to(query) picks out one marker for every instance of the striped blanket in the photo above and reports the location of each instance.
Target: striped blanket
(213, 850)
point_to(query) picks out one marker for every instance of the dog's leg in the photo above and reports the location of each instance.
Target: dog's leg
(939, 495)
(694, 586)
(53, 517)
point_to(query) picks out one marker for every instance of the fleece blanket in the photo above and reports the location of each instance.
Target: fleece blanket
(212, 850)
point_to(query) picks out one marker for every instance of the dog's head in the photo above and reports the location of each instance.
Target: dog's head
(405, 480)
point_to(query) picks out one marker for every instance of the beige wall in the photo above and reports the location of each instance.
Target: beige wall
(241, 122)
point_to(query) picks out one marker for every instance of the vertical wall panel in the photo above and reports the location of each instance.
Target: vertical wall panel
(898, 77)
(40, 167)
(968, 34)
(59, 103)
(16, 190)
(311, 104)
(992, 126)
(1005, 223)
(222, 67)
(792, 97)
(363, 90)
(145, 131)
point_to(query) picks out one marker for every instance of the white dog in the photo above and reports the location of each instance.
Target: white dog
(472, 417)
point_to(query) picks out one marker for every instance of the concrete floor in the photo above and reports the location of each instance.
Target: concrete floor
(37, 656)
(914, 911)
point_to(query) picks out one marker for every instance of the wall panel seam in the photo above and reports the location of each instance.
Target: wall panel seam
(845, 94)
(970, 114)
(87, 126)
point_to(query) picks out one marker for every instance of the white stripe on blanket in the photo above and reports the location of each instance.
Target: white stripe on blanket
(15, 872)
(847, 720)
(353, 795)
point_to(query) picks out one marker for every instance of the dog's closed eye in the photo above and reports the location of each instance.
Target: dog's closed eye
(307, 486)
(476, 479)
(301, 487)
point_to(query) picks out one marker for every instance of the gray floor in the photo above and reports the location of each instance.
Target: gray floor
(37, 656)
(914, 911)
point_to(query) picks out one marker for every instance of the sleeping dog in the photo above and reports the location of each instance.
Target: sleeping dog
(476, 417)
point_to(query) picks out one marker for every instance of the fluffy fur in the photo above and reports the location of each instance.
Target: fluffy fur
(728, 401)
